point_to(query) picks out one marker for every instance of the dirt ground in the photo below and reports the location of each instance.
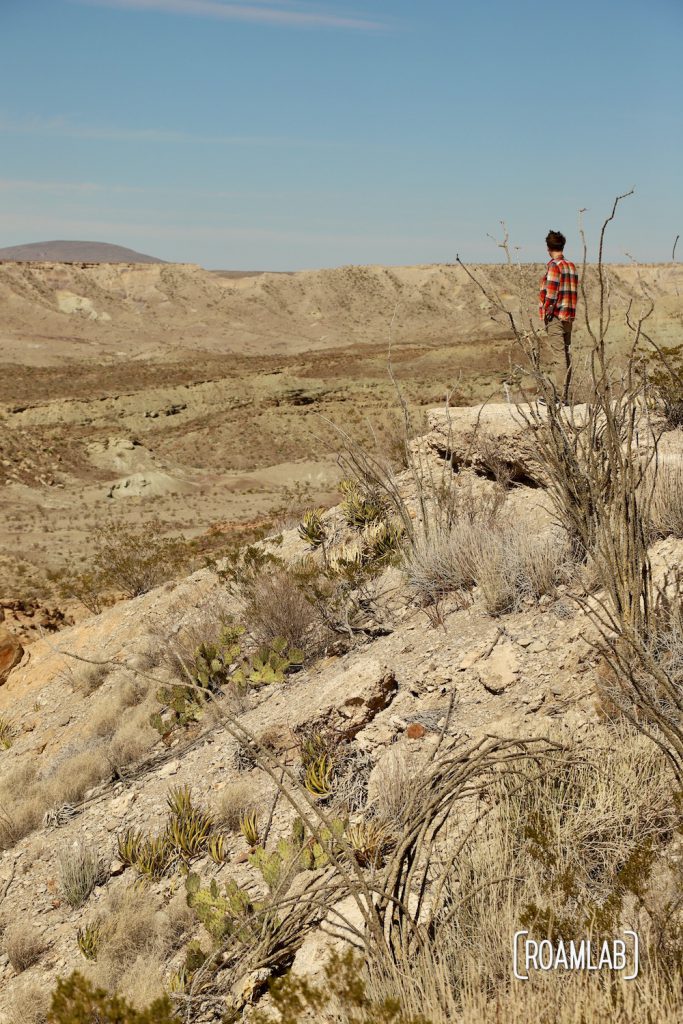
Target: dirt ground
(208, 399)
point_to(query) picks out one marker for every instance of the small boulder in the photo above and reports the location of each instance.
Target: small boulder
(416, 731)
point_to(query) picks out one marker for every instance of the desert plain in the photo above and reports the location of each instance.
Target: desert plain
(210, 399)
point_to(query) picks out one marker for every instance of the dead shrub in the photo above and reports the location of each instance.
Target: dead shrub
(463, 496)
(565, 847)
(274, 606)
(23, 945)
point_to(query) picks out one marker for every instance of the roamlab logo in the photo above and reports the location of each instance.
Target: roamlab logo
(618, 955)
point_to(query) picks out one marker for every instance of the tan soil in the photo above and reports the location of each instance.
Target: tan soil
(129, 389)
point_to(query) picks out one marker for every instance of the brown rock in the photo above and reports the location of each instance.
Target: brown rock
(415, 731)
(11, 653)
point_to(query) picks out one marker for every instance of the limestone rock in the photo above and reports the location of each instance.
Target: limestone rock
(11, 653)
(490, 438)
(500, 669)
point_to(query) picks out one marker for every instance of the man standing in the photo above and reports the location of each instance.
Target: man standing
(557, 300)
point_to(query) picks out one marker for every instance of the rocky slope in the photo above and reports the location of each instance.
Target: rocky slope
(81, 731)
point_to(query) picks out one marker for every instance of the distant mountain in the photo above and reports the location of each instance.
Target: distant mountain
(75, 252)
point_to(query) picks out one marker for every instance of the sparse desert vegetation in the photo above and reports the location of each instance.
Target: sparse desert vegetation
(330, 774)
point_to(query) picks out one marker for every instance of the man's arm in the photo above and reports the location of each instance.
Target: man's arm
(551, 288)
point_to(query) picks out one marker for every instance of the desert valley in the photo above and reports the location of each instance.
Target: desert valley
(386, 702)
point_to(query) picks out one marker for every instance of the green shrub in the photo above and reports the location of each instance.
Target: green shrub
(664, 370)
(295, 997)
(76, 1001)
(8, 732)
(129, 560)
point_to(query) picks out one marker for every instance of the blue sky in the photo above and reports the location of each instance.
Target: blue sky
(284, 134)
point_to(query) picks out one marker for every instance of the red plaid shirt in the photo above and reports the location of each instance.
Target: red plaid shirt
(559, 290)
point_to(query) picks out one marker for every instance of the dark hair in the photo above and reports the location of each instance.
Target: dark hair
(555, 241)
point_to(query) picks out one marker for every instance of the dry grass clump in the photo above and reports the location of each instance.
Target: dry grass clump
(73, 777)
(514, 565)
(22, 804)
(666, 506)
(138, 939)
(105, 717)
(234, 802)
(392, 790)
(23, 945)
(29, 1004)
(85, 678)
(133, 739)
(443, 560)
(24, 799)
(8, 732)
(80, 870)
(566, 848)
(504, 560)
(133, 690)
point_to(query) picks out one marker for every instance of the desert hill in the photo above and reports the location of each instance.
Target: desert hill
(163, 311)
(74, 252)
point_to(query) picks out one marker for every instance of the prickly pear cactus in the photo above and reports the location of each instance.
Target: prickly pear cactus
(221, 915)
(213, 662)
(281, 865)
(269, 665)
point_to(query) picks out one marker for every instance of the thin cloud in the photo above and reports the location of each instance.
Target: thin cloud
(60, 127)
(137, 231)
(266, 12)
(85, 188)
(58, 187)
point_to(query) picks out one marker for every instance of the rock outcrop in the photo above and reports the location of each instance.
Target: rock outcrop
(11, 650)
